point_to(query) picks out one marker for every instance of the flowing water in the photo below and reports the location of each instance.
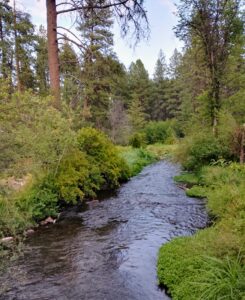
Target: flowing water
(110, 250)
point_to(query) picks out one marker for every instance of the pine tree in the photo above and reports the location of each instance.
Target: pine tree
(98, 61)
(137, 116)
(174, 88)
(160, 86)
(24, 38)
(5, 40)
(70, 72)
(140, 86)
(41, 64)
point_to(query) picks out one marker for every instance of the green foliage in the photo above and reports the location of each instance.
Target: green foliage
(137, 140)
(222, 279)
(210, 265)
(39, 200)
(77, 178)
(189, 178)
(200, 150)
(197, 192)
(34, 136)
(159, 132)
(191, 274)
(162, 151)
(136, 159)
(103, 154)
(12, 220)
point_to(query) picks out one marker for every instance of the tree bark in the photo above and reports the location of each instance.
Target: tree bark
(16, 53)
(242, 144)
(53, 55)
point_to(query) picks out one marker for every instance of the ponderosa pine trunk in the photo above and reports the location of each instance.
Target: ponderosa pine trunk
(16, 52)
(53, 55)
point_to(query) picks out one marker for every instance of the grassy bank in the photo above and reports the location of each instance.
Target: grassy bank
(211, 264)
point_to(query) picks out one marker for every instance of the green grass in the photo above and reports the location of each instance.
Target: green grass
(211, 264)
(197, 191)
(136, 159)
(162, 151)
(188, 178)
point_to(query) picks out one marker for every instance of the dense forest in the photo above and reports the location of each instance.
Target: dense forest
(74, 121)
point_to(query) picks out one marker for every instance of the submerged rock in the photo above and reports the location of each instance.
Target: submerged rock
(93, 203)
(29, 231)
(47, 221)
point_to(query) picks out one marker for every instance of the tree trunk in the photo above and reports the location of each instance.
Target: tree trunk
(16, 53)
(53, 56)
(215, 107)
(242, 144)
(4, 62)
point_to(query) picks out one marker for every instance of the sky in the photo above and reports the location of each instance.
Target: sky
(162, 18)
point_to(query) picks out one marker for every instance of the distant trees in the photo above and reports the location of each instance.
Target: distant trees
(17, 40)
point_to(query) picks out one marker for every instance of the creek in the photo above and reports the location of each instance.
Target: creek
(108, 251)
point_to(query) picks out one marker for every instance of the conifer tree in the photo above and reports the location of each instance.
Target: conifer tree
(41, 64)
(70, 75)
(140, 86)
(160, 86)
(98, 63)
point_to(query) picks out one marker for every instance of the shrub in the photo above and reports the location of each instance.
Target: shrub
(159, 132)
(203, 150)
(77, 178)
(39, 200)
(102, 154)
(137, 140)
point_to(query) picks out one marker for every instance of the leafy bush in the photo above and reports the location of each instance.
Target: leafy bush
(39, 200)
(137, 140)
(159, 132)
(77, 178)
(202, 150)
(102, 154)
(12, 220)
(34, 135)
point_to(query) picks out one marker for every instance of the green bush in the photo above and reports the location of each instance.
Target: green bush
(39, 200)
(103, 155)
(137, 140)
(77, 178)
(159, 132)
(203, 150)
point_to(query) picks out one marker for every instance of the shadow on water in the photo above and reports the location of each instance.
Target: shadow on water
(110, 250)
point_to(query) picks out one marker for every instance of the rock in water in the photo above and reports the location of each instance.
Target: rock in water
(47, 221)
(7, 239)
